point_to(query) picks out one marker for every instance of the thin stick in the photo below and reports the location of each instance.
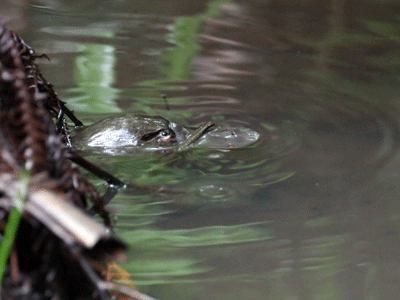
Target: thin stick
(199, 132)
(79, 160)
(126, 290)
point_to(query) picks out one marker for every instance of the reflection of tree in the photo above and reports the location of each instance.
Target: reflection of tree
(95, 76)
(94, 72)
(177, 61)
(185, 34)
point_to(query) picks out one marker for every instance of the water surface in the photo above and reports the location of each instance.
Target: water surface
(310, 211)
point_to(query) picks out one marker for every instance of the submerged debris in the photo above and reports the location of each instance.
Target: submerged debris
(59, 252)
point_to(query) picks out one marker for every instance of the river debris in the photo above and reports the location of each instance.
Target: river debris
(59, 251)
(199, 132)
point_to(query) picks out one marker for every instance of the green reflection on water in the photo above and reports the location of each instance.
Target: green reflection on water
(185, 34)
(166, 267)
(163, 256)
(94, 70)
(387, 29)
(177, 61)
(319, 222)
(204, 236)
(94, 75)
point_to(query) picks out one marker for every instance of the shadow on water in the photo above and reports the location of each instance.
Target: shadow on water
(310, 210)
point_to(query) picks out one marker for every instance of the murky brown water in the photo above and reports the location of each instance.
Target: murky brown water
(310, 211)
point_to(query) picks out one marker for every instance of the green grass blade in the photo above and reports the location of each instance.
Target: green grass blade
(13, 221)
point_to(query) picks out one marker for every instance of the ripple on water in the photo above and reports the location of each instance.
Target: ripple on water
(227, 137)
(236, 159)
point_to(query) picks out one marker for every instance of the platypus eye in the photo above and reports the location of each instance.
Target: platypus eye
(167, 135)
(164, 134)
